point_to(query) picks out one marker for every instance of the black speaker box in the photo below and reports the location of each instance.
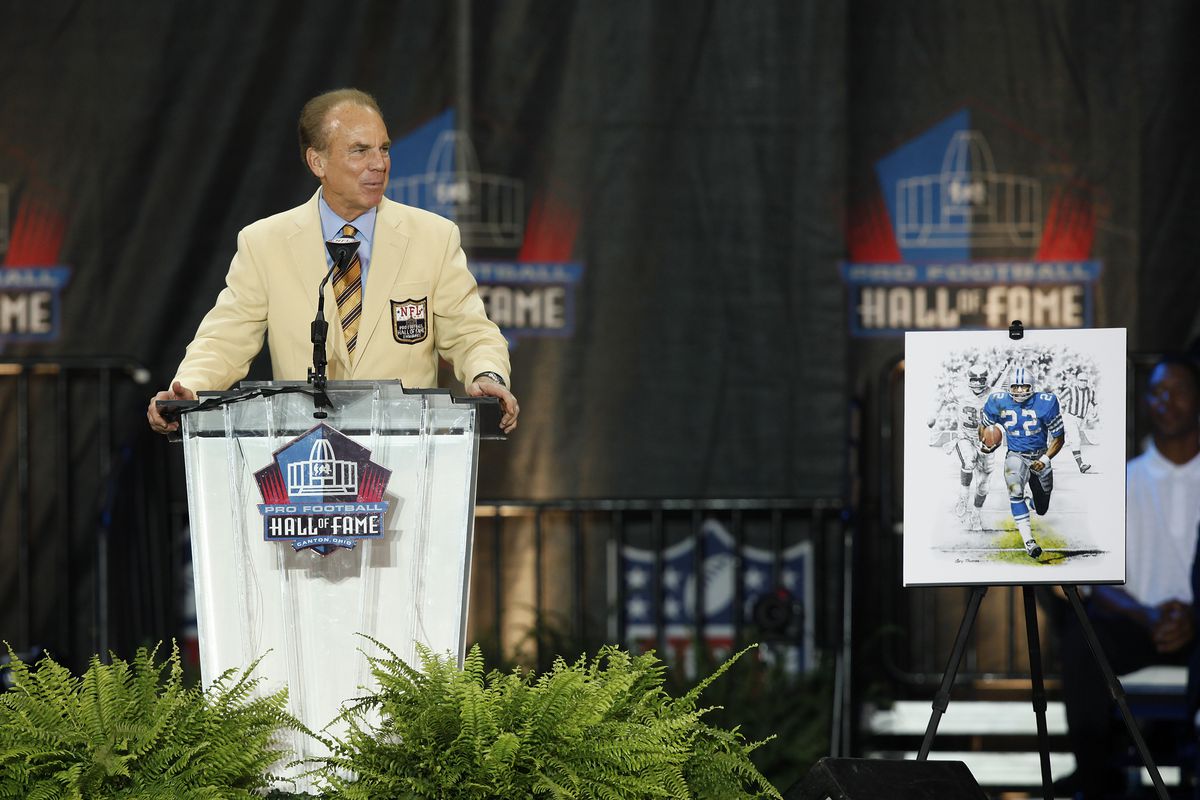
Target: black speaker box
(875, 779)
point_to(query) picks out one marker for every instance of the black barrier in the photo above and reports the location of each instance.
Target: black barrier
(865, 779)
(547, 579)
(85, 515)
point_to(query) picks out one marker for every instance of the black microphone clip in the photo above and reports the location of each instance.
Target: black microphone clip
(342, 251)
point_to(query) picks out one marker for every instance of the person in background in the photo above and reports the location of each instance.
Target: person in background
(1151, 619)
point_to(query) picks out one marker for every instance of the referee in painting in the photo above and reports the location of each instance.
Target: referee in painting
(1077, 400)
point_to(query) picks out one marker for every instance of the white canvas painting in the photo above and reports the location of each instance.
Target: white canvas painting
(1021, 513)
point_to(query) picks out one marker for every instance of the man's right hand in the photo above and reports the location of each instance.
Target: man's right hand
(1174, 627)
(177, 392)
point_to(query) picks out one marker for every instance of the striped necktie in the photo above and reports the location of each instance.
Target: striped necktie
(347, 287)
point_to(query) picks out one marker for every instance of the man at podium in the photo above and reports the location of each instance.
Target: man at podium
(404, 298)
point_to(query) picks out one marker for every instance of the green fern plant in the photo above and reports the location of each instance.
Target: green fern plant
(602, 728)
(766, 698)
(134, 730)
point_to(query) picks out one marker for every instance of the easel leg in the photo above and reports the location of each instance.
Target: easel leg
(1038, 687)
(1114, 688)
(942, 699)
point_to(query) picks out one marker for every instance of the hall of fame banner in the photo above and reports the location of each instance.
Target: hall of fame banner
(963, 229)
(1020, 513)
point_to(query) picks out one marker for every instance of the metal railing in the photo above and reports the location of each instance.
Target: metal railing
(73, 515)
(554, 578)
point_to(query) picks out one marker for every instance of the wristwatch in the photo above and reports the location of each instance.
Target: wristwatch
(493, 375)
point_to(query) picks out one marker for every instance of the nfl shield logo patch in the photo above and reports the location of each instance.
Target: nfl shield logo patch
(410, 320)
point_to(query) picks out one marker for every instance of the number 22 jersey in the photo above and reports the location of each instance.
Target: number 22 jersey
(1027, 424)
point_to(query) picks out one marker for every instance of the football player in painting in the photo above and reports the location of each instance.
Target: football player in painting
(1033, 429)
(974, 461)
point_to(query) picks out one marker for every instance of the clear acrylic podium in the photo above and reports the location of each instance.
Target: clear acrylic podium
(297, 609)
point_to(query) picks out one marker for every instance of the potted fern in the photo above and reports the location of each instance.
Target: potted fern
(134, 730)
(600, 727)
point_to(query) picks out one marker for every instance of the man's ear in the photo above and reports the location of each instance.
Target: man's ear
(316, 162)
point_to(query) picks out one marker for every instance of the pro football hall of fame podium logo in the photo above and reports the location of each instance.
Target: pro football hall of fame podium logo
(322, 491)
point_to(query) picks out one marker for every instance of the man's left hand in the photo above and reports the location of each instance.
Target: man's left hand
(1037, 466)
(509, 409)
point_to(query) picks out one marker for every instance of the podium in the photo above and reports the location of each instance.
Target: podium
(307, 532)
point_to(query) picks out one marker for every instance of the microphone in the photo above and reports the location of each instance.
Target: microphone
(341, 250)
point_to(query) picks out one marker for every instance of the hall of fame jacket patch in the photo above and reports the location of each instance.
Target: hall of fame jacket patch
(410, 320)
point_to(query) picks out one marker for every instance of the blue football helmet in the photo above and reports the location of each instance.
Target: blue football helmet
(1020, 385)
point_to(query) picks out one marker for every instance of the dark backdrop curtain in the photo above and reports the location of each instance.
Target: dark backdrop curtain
(701, 157)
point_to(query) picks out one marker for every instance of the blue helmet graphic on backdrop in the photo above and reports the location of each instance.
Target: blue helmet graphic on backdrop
(956, 238)
(435, 167)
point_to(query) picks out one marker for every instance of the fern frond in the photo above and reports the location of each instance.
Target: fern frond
(134, 730)
(597, 728)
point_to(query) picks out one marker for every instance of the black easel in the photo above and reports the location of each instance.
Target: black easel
(941, 700)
